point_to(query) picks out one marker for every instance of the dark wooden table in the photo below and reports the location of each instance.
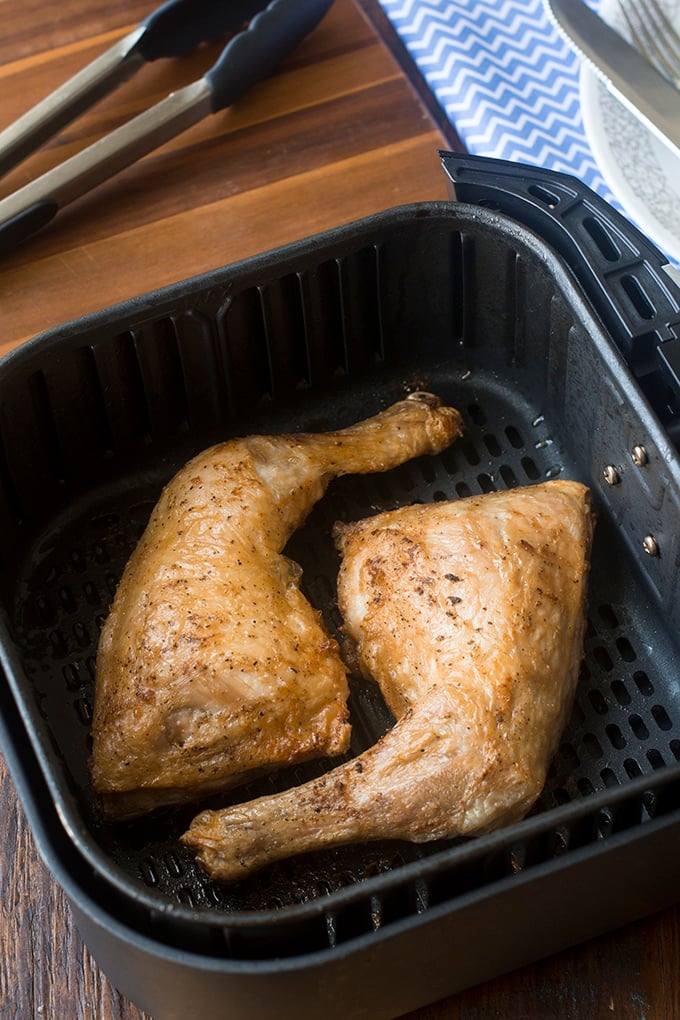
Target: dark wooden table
(337, 133)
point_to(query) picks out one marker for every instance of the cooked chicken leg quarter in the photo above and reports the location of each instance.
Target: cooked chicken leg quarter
(470, 616)
(212, 666)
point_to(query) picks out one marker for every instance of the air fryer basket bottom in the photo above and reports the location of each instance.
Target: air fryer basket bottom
(619, 728)
(399, 304)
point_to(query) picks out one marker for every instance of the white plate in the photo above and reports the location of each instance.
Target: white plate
(641, 171)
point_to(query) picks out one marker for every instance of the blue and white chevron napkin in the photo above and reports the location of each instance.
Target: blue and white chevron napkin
(505, 77)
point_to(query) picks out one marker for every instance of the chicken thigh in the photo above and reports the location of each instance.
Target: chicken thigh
(470, 616)
(212, 666)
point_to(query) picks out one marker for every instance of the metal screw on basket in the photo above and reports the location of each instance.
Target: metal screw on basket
(611, 475)
(650, 545)
(639, 455)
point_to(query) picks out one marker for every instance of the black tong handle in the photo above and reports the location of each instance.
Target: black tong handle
(250, 56)
(177, 27)
(628, 280)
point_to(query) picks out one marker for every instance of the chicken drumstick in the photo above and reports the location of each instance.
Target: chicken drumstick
(470, 615)
(212, 666)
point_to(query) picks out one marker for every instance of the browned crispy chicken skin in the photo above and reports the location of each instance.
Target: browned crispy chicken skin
(470, 615)
(212, 666)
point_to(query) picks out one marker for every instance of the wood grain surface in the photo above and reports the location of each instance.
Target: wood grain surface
(336, 133)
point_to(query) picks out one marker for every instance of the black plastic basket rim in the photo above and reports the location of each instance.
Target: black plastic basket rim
(636, 791)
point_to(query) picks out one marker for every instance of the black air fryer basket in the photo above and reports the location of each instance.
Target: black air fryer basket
(552, 325)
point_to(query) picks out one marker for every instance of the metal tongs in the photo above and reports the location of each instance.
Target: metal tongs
(173, 30)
